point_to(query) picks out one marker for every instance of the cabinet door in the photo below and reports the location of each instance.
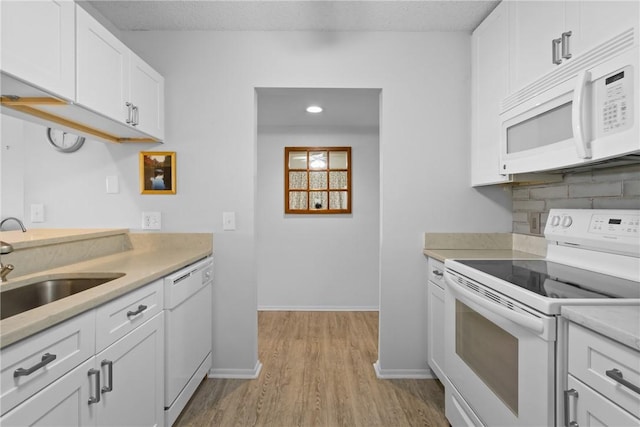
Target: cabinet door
(38, 44)
(489, 86)
(591, 408)
(593, 22)
(147, 95)
(102, 69)
(135, 376)
(436, 329)
(62, 403)
(532, 27)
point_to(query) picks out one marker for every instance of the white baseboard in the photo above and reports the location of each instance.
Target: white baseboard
(392, 374)
(247, 374)
(315, 308)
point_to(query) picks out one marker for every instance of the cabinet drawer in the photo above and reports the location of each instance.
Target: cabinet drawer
(592, 354)
(436, 272)
(592, 409)
(117, 318)
(71, 342)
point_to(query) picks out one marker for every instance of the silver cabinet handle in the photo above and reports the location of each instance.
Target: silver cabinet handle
(46, 359)
(136, 116)
(555, 51)
(566, 48)
(96, 398)
(438, 273)
(616, 375)
(129, 111)
(140, 309)
(568, 394)
(109, 364)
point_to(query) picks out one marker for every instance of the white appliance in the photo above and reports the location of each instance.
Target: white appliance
(585, 111)
(188, 329)
(501, 352)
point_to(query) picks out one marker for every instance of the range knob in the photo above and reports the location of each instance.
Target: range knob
(567, 221)
(555, 220)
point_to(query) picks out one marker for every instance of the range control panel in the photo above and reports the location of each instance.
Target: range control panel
(619, 225)
(614, 230)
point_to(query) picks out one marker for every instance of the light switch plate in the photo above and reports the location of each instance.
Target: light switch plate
(228, 221)
(151, 220)
(112, 184)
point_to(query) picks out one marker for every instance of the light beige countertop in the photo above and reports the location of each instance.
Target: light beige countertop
(442, 246)
(620, 323)
(48, 236)
(145, 257)
(444, 254)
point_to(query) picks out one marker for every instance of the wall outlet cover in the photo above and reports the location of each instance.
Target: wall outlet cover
(151, 220)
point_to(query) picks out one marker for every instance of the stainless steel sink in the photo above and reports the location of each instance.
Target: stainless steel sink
(27, 297)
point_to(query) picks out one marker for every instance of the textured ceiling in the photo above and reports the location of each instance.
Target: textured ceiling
(305, 15)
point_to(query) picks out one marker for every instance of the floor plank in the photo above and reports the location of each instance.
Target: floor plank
(317, 371)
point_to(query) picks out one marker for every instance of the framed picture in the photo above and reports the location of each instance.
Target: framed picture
(158, 172)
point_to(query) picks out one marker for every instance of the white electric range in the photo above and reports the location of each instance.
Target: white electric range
(501, 315)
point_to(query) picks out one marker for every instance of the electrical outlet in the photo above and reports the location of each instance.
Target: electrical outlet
(534, 222)
(37, 213)
(151, 220)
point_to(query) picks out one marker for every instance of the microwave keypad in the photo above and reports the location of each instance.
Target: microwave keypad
(614, 104)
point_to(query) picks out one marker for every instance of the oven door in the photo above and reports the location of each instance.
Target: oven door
(500, 355)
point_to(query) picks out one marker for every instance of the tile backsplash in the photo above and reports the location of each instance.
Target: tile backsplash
(611, 188)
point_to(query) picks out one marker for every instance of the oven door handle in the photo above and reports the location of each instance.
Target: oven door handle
(489, 308)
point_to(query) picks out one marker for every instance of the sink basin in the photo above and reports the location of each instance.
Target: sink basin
(27, 297)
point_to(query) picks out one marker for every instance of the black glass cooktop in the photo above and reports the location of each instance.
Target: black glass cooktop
(553, 280)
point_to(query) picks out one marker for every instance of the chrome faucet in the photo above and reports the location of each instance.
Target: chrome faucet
(5, 248)
(24, 230)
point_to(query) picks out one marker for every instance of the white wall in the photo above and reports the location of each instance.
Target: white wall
(11, 172)
(210, 113)
(321, 262)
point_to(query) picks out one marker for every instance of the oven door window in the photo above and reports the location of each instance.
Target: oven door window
(490, 351)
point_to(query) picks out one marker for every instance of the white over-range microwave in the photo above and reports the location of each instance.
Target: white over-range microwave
(583, 112)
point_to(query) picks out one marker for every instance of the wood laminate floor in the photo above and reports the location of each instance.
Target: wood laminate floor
(317, 371)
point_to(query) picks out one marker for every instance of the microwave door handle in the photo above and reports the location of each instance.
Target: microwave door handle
(580, 135)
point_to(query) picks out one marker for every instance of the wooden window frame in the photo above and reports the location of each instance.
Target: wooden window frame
(308, 210)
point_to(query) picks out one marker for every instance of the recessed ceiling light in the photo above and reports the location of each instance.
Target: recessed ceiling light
(314, 109)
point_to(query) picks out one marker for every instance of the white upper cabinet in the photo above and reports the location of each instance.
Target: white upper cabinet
(38, 44)
(547, 34)
(596, 21)
(102, 69)
(147, 97)
(533, 25)
(115, 82)
(490, 85)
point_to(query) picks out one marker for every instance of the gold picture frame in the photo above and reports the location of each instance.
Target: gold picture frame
(157, 172)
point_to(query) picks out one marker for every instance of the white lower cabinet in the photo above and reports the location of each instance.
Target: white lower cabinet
(63, 403)
(435, 310)
(118, 383)
(131, 378)
(602, 382)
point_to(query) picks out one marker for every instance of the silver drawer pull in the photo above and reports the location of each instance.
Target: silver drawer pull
(46, 359)
(96, 398)
(568, 394)
(140, 309)
(107, 389)
(438, 273)
(616, 375)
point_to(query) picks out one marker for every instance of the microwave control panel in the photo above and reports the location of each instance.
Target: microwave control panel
(614, 101)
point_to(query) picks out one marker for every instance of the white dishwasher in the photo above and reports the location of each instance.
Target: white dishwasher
(187, 304)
